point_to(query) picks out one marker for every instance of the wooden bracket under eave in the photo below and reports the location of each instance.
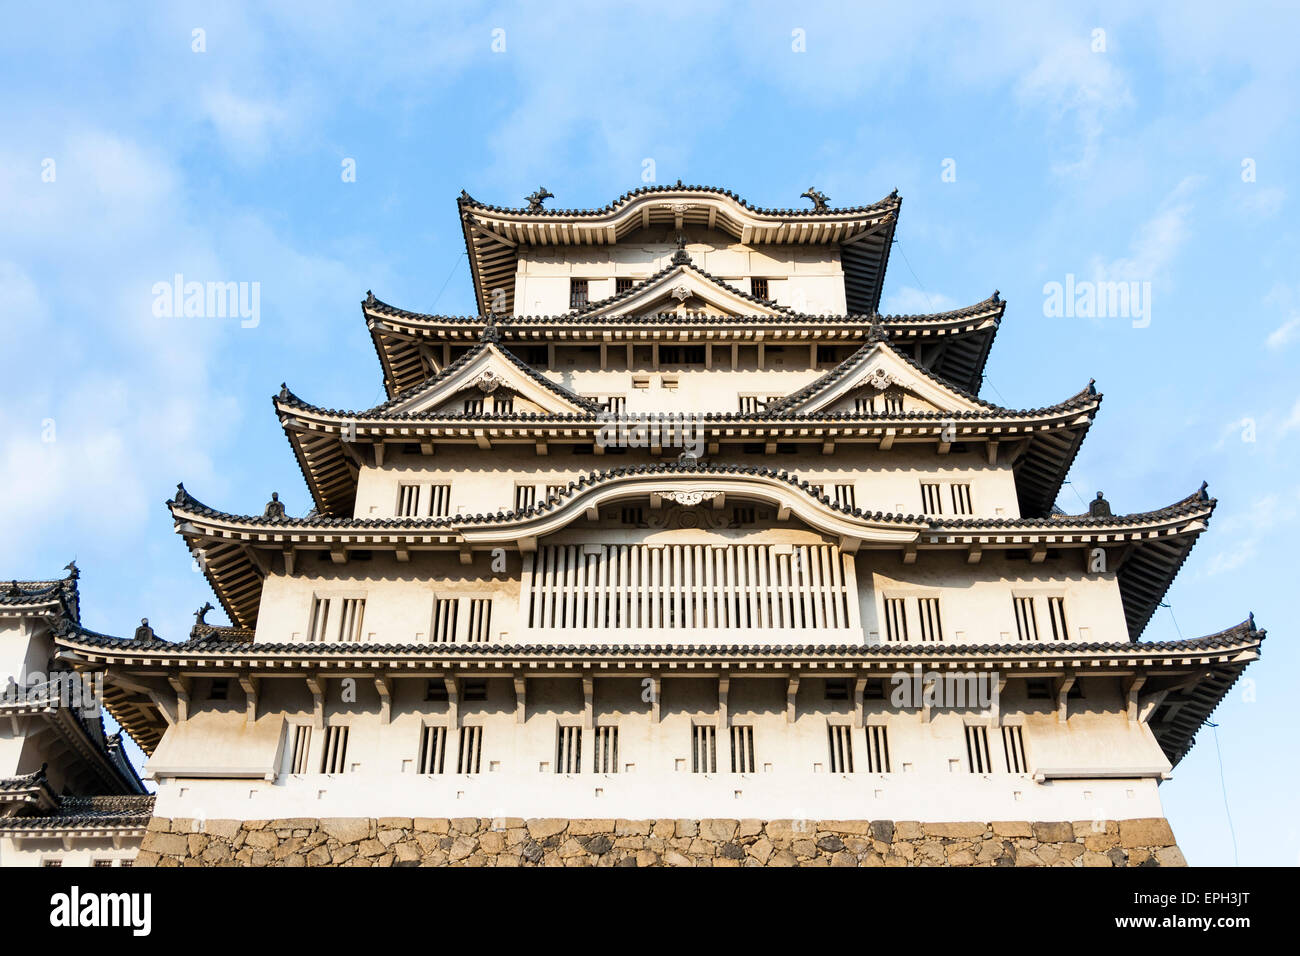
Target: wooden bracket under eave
(181, 688)
(466, 555)
(1063, 686)
(791, 695)
(385, 690)
(521, 698)
(249, 686)
(909, 552)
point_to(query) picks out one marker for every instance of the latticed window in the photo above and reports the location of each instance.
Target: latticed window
(840, 739)
(504, 403)
(758, 287)
(1056, 611)
(622, 284)
(605, 759)
(568, 749)
(895, 619)
(444, 620)
(877, 750)
(525, 496)
(760, 586)
(977, 750)
(471, 750)
(439, 500)
(931, 501)
(1013, 750)
(408, 501)
(335, 757)
(336, 619)
(961, 499)
(577, 293)
(433, 749)
(1026, 618)
(704, 748)
(931, 623)
(845, 497)
(301, 746)
(742, 749)
(479, 628)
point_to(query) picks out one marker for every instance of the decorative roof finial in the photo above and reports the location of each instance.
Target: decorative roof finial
(201, 613)
(182, 496)
(1092, 386)
(73, 571)
(490, 331)
(274, 507)
(1204, 495)
(536, 199)
(1099, 508)
(878, 331)
(370, 298)
(819, 199)
(997, 296)
(14, 589)
(681, 256)
(144, 632)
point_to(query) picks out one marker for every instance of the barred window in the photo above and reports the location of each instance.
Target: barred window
(844, 496)
(334, 759)
(1056, 611)
(931, 502)
(336, 619)
(473, 406)
(1013, 750)
(433, 749)
(839, 736)
(568, 749)
(977, 749)
(931, 623)
(758, 287)
(605, 759)
(408, 501)
(622, 284)
(1026, 618)
(704, 748)
(301, 746)
(895, 619)
(471, 750)
(961, 499)
(444, 620)
(480, 620)
(877, 750)
(577, 293)
(525, 496)
(742, 749)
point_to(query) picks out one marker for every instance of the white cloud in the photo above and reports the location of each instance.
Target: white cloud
(245, 125)
(1156, 242)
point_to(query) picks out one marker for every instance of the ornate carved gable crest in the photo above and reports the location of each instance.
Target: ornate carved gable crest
(880, 379)
(487, 381)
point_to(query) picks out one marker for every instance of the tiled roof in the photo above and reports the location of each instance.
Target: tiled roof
(466, 200)
(681, 318)
(385, 409)
(62, 593)
(75, 813)
(1229, 638)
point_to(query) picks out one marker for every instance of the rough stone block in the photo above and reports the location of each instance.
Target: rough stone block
(1148, 831)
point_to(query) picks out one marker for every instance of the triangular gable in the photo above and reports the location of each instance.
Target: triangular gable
(484, 370)
(877, 369)
(683, 288)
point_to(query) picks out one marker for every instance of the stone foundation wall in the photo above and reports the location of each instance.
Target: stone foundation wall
(403, 841)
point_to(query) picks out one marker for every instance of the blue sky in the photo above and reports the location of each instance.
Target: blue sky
(225, 165)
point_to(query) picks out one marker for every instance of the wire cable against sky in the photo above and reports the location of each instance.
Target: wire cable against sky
(1223, 784)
